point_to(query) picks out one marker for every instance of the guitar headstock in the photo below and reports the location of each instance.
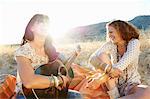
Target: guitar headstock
(78, 49)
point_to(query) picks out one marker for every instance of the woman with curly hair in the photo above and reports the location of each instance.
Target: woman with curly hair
(121, 52)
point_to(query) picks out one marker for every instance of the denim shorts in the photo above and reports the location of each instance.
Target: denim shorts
(72, 94)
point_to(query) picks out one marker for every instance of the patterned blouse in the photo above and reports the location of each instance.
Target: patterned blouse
(128, 62)
(36, 60)
(28, 52)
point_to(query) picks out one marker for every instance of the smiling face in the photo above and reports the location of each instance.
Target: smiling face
(119, 31)
(114, 35)
(37, 28)
(40, 29)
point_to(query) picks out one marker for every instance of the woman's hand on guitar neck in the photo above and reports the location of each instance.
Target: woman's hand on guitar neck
(64, 81)
(78, 49)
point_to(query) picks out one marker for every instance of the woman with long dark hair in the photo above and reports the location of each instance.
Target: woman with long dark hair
(37, 49)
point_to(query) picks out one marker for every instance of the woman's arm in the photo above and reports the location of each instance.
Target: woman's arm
(129, 56)
(95, 58)
(28, 78)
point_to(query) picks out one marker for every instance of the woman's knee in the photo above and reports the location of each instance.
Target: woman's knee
(73, 94)
(143, 92)
(146, 93)
(104, 57)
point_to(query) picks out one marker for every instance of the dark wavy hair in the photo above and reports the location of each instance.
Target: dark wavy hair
(28, 36)
(126, 29)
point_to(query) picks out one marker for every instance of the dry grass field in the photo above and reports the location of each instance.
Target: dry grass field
(8, 64)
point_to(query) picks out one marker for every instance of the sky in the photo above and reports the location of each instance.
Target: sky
(64, 14)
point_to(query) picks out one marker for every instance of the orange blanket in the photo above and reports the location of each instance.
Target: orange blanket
(7, 87)
(84, 83)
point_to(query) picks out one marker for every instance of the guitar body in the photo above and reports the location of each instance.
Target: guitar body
(51, 92)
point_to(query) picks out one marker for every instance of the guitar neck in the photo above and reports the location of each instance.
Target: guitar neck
(71, 60)
(73, 57)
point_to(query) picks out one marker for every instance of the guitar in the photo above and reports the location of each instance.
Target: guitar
(54, 68)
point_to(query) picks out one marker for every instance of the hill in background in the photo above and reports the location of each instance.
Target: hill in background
(85, 33)
(97, 31)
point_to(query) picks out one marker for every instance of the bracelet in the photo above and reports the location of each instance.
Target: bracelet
(52, 83)
(103, 66)
(105, 70)
(61, 83)
(53, 80)
(109, 69)
(56, 81)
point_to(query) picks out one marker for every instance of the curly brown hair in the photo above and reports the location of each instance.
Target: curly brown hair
(126, 29)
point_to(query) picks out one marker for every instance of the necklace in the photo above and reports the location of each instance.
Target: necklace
(122, 49)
